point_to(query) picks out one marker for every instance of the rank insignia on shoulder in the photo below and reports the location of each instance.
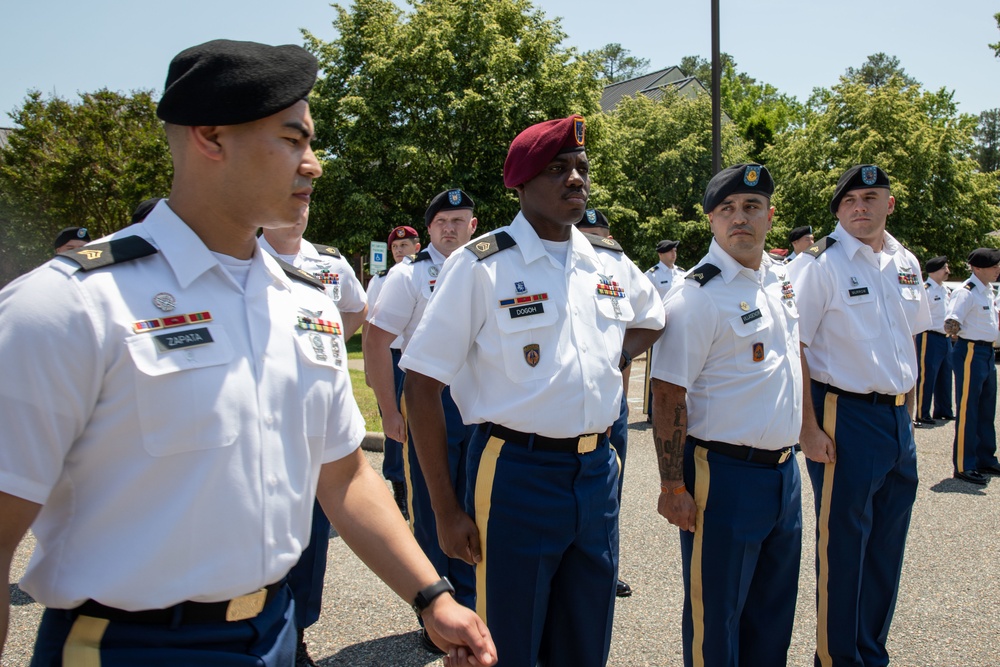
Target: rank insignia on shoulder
(107, 253)
(532, 355)
(969, 286)
(821, 246)
(491, 244)
(327, 250)
(702, 274)
(758, 352)
(602, 242)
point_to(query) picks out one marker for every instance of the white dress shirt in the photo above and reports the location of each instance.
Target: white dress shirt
(973, 307)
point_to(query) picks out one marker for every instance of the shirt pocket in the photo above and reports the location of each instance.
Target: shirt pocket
(183, 399)
(752, 347)
(862, 311)
(321, 355)
(612, 319)
(528, 341)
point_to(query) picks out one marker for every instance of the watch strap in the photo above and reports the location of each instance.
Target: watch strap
(427, 595)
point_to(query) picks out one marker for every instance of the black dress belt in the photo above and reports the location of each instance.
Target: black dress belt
(874, 397)
(186, 613)
(752, 454)
(936, 333)
(978, 343)
(580, 444)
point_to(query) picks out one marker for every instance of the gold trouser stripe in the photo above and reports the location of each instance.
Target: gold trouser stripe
(407, 472)
(83, 644)
(963, 421)
(646, 381)
(484, 498)
(823, 545)
(923, 373)
(701, 483)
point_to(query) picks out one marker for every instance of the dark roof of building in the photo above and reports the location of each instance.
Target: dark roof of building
(4, 132)
(651, 85)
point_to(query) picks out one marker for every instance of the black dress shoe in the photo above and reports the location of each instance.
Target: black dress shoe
(971, 476)
(623, 590)
(428, 645)
(920, 421)
(947, 418)
(989, 470)
(302, 657)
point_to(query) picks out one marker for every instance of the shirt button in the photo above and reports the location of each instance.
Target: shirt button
(273, 480)
(269, 419)
(189, 356)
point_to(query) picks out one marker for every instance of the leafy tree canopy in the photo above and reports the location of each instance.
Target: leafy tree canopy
(85, 163)
(996, 47)
(615, 63)
(413, 103)
(878, 70)
(987, 135)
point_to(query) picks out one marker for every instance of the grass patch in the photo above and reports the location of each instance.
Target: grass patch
(354, 348)
(365, 397)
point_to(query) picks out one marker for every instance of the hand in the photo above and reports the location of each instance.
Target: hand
(817, 446)
(679, 509)
(458, 536)
(461, 633)
(393, 425)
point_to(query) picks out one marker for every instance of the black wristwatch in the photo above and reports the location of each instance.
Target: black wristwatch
(626, 360)
(427, 595)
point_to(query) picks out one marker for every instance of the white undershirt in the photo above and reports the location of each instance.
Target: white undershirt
(239, 269)
(557, 250)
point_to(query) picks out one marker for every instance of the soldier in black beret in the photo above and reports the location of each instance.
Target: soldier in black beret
(594, 222)
(934, 380)
(207, 406)
(70, 238)
(799, 239)
(737, 179)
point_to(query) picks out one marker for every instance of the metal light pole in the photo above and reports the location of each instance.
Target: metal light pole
(716, 93)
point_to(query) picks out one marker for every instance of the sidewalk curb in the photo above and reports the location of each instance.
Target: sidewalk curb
(372, 442)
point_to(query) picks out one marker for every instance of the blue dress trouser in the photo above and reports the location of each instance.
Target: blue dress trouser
(392, 459)
(863, 505)
(934, 371)
(975, 443)
(741, 565)
(619, 440)
(305, 580)
(68, 640)
(548, 526)
(422, 521)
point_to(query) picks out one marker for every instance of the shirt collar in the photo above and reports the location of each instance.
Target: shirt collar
(185, 253)
(436, 256)
(729, 268)
(851, 245)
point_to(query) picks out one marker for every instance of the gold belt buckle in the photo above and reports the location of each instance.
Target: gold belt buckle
(900, 399)
(785, 454)
(246, 606)
(587, 443)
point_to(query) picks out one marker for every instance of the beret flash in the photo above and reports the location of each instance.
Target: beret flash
(224, 82)
(666, 245)
(71, 233)
(535, 147)
(738, 179)
(593, 218)
(982, 258)
(451, 200)
(935, 263)
(403, 232)
(858, 177)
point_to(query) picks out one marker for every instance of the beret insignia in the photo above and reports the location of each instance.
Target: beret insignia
(579, 129)
(752, 175)
(454, 197)
(868, 175)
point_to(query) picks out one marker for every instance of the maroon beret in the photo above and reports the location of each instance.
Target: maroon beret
(403, 232)
(536, 146)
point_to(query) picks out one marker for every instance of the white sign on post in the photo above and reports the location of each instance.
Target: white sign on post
(378, 261)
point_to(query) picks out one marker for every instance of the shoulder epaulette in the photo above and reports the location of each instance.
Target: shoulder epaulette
(969, 286)
(927, 285)
(327, 250)
(381, 274)
(491, 244)
(602, 242)
(653, 269)
(105, 253)
(420, 256)
(821, 246)
(704, 273)
(298, 274)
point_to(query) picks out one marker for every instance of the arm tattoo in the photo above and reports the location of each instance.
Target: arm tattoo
(670, 455)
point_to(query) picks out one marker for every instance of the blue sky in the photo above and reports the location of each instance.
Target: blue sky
(64, 47)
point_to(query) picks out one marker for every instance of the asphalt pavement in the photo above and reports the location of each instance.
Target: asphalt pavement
(947, 614)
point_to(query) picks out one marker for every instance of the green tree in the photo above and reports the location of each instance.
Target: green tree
(759, 110)
(411, 104)
(878, 70)
(996, 47)
(988, 140)
(944, 204)
(651, 162)
(615, 63)
(77, 164)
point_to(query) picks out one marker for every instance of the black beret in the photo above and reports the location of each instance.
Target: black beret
(666, 245)
(935, 263)
(451, 200)
(799, 232)
(593, 218)
(144, 208)
(71, 233)
(982, 258)
(535, 147)
(740, 178)
(224, 82)
(857, 177)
